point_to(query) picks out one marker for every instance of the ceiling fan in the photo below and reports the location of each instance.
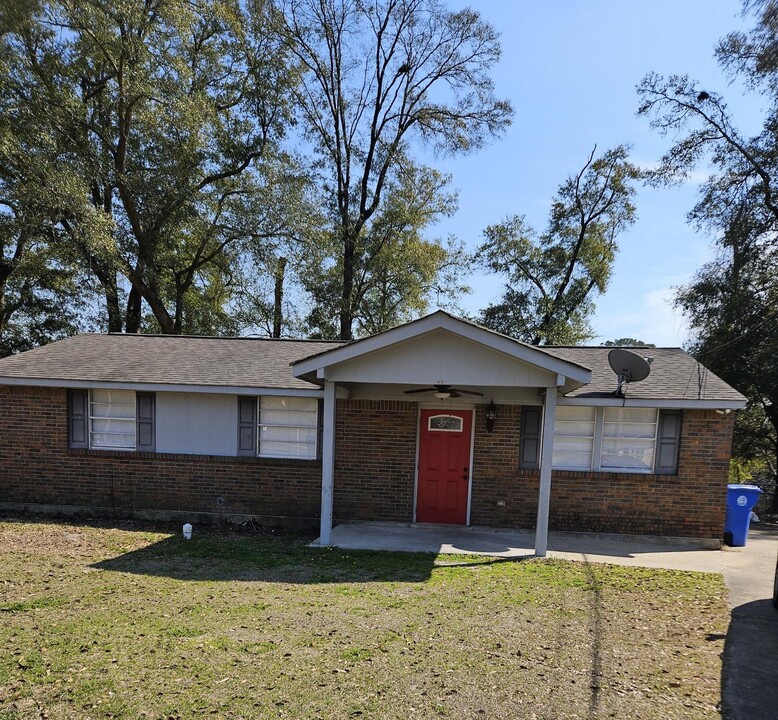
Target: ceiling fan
(444, 392)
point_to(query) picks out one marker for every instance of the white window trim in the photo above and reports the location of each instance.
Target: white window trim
(597, 443)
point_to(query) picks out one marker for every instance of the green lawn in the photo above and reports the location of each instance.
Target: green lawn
(106, 622)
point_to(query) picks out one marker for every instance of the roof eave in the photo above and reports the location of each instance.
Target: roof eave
(313, 391)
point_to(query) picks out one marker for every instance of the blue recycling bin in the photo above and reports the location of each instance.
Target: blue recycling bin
(741, 499)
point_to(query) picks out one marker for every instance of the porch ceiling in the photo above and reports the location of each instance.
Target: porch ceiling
(500, 395)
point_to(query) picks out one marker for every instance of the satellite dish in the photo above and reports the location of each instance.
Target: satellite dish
(628, 366)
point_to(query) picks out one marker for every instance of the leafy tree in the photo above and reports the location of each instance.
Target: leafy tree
(41, 288)
(397, 267)
(376, 78)
(172, 110)
(552, 277)
(627, 342)
(731, 302)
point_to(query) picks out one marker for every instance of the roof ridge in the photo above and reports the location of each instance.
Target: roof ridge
(611, 347)
(208, 337)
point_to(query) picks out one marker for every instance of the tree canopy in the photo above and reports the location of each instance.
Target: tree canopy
(627, 342)
(396, 266)
(175, 165)
(375, 79)
(552, 277)
(731, 302)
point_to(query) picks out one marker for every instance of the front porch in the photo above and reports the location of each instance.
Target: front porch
(435, 375)
(636, 550)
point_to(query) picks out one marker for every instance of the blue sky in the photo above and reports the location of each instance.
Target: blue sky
(570, 68)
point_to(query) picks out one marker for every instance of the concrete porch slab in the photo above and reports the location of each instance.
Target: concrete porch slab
(636, 550)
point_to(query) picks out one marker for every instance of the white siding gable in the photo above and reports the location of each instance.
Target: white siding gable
(440, 357)
(197, 423)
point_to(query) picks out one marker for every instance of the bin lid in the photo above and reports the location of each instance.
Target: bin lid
(739, 488)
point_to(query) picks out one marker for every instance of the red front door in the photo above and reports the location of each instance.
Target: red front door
(444, 466)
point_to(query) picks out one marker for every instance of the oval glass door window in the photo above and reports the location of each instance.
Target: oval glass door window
(446, 423)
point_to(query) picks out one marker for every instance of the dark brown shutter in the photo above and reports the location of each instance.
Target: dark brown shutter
(529, 441)
(247, 425)
(144, 420)
(78, 418)
(668, 442)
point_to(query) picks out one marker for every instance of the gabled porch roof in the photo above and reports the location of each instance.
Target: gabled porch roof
(441, 348)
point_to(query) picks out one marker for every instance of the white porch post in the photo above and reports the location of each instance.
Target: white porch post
(544, 492)
(327, 462)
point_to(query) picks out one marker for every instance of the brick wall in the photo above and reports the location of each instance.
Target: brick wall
(496, 476)
(375, 460)
(374, 474)
(689, 504)
(36, 467)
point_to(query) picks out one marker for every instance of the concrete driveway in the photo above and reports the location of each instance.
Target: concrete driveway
(749, 683)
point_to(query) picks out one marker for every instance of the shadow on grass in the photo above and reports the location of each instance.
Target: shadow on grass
(748, 687)
(267, 559)
(596, 662)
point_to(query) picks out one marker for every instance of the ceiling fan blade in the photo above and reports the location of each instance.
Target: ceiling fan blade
(454, 393)
(469, 392)
(422, 390)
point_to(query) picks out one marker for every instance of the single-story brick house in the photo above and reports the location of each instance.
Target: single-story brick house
(438, 420)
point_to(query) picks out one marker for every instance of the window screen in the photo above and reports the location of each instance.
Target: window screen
(573, 437)
(112, 419)
(288, 427)
(628, 439)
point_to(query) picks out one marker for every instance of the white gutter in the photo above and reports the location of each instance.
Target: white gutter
(163, 387)
(670, 403)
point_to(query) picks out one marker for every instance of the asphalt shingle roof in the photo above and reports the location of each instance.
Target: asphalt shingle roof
(674, 375)
(265, 363)
(166, 359)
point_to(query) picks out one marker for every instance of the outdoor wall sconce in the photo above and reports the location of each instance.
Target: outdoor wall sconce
(491, 416)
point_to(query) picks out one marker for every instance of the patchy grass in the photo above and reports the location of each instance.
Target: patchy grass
(101, 622)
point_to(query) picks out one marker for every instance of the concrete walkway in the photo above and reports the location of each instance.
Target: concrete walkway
(639, 550)
(749, 683)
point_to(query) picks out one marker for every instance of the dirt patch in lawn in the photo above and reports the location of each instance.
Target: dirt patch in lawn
(101, 622)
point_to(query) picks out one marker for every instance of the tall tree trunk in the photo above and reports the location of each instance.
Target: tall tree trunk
(772, 414)
(112, 308)
(6, 268)
(155, 303)
(107, 280)
(3, 316)
(133, 315)
(346, 311)
(278, 297)
(178, 315)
